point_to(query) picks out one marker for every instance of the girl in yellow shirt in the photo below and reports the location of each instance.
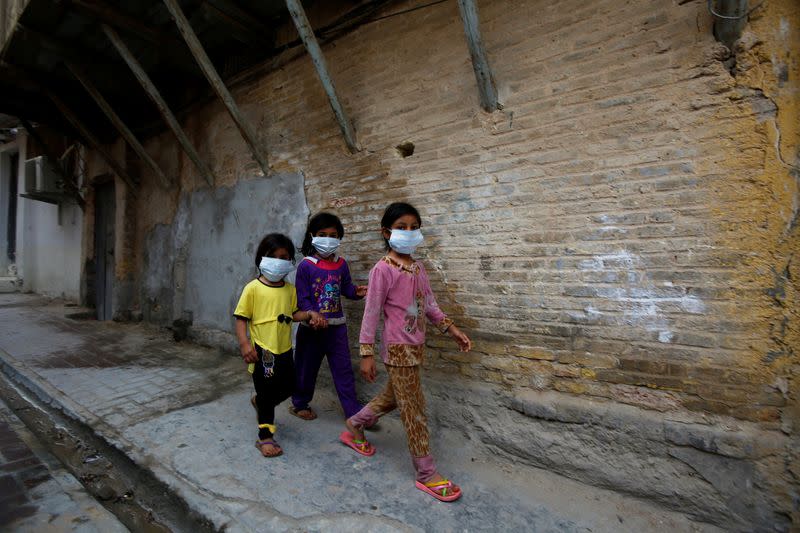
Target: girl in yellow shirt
(266, 309)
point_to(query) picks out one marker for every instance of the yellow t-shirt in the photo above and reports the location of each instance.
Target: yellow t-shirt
(260, 304)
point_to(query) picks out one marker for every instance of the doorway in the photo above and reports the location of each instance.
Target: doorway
(104, 213)
(11, 223)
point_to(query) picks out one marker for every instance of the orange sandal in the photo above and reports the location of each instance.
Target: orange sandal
(361, 446)
(443, 486)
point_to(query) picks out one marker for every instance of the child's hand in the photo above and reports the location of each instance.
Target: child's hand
(248, 353)
(464, 344)
(361, 290)
(317, 321)
(368, 369)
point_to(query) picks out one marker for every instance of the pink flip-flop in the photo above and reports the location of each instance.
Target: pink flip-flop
(361, 446)
(431, 488)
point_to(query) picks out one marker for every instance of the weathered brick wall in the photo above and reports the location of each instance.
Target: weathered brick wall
(621, 228)
(614, 231)
(625, 228)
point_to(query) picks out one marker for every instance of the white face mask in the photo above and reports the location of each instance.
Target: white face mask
(404, 241)
(275, 269)
(325, 246)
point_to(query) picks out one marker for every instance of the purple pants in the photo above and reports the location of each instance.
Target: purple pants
(312, 346)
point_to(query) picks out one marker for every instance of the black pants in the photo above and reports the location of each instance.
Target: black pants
(272, 390)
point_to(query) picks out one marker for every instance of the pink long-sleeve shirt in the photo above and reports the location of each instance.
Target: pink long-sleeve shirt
(404, 297)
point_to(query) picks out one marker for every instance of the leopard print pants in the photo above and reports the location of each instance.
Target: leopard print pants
(403, 391)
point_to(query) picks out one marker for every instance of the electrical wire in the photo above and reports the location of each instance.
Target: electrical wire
(403, 12)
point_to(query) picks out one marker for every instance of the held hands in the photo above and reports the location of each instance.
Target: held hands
(316, 320)
(464, 344)
(248, 353)
(368, 369)
(361, 290)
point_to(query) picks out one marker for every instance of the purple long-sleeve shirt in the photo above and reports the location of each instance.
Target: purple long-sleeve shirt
(321, 284)
(404, 297)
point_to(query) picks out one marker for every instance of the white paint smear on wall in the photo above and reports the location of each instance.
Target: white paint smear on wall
(642, 301)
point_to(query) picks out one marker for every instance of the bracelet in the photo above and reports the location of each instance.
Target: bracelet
(444, 325)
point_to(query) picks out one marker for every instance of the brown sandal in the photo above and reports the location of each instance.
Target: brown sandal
(276, 449)
(311, 415)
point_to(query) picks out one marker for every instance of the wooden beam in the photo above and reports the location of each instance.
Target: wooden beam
(68, 50)
(55, 163)
(312, 46)
(242, 32)
(234, 17)
(480, 63)
(123, 130)
(158, 100)
(73, 119)
(104, 13)
(93, 142)
(216, 82)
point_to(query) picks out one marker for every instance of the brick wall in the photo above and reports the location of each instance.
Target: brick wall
(623, 231)
(596, 236)
(623, 228)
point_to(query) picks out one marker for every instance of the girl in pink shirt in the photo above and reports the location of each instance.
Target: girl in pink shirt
(399, 290)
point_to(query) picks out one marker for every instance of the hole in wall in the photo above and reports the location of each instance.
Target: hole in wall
(405, 149)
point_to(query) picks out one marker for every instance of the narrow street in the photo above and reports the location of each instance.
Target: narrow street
(560, 239)
(140, 434)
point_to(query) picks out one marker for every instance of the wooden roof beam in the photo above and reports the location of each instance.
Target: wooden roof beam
(104, 13)
(63, 50)
(230, 14)
(76, 123)
(480, 63)
(216, 83)
(93, 142)
(123, 130)
(151, 90)
(312, 46)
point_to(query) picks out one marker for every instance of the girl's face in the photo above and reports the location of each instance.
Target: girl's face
(327, 232)
(280, 253)
(406, 222)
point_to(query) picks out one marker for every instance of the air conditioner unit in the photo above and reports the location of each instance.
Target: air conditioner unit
(40, 177)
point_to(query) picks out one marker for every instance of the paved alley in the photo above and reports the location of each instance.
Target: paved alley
(182, 412)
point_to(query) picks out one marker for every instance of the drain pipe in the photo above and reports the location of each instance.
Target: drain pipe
(730, 17)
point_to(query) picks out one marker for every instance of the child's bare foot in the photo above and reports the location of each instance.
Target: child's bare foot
(269, 448)
(358, 433)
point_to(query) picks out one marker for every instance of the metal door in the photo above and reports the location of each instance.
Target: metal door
(104, 210)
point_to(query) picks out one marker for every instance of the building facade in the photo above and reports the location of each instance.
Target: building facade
(619, 239)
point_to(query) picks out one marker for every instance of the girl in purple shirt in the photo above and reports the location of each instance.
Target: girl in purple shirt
(322, 279)
(399, 290)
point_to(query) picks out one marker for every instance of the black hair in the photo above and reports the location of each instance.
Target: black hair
(318, 222)
(272, 242)
(395, 211)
